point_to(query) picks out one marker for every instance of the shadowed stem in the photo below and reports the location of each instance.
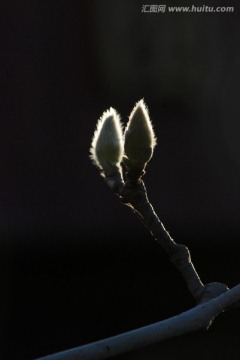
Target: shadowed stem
(134, 195)
(217, 297)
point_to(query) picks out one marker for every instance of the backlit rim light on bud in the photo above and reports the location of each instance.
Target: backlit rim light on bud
(107, 143)
(139, 137)
(141, 104)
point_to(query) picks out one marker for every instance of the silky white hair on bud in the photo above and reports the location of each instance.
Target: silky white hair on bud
(139, 136)
(107, 144)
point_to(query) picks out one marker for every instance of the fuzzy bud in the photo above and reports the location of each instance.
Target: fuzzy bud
(107, 146)
(139, 137)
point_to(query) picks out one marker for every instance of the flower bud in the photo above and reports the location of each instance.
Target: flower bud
(139, 137)
(107, 145)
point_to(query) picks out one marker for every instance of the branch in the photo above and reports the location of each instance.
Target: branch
(107, 152)
(198, 318)
(122, 159)
(134, 195)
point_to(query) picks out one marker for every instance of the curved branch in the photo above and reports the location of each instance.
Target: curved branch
(212, 298)
(198, 318)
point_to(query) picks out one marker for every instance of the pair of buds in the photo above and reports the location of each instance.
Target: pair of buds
(132, 147)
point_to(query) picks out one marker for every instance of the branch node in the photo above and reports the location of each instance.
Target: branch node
(212, 290)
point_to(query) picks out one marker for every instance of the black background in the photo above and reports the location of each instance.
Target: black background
(76, 265)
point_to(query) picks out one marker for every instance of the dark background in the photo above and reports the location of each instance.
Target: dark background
(76, 265)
